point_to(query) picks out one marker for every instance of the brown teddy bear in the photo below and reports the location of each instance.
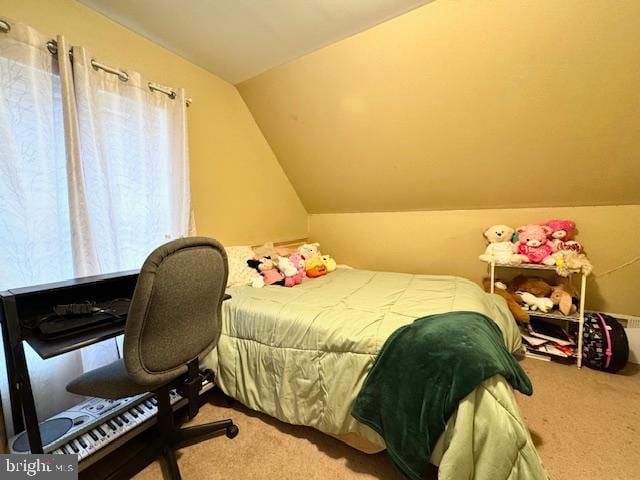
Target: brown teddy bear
(514, 302)
(560, 294)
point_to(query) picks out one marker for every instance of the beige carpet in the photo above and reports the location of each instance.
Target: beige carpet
(586, 425)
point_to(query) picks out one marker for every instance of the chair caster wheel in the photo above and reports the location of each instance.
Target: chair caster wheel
(232, 431)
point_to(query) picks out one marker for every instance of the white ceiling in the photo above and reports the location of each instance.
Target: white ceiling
(239, 39)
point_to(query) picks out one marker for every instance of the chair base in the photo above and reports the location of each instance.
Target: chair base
(185, 437)
(172, 438)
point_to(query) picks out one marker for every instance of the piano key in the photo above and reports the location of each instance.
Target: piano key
(149, 405)
(154, 400)
(140, 411)
(134, 413)
(101, 431)
(130, 418)
(93, 435)
(66, 450)
(83, 454)
(82, 443)
(123, 418)
(112, 425)
(58, 452)
(90, 445)
(118, 421)
(73, 446)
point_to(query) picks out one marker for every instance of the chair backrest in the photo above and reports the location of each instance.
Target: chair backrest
(175, 312)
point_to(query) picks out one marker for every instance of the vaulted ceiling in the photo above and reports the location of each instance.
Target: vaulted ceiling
(460, 105)
(453, 105)
(238, 39)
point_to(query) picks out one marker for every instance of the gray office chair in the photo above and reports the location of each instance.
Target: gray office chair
(173, 322)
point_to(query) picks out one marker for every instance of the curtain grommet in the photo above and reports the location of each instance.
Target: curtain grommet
(52, 46)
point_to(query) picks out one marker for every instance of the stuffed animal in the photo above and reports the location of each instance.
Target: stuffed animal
(266, 250)
(315, 267)
(542, 304)
(329, 262)
(291, 274)
(267, 268)
(298, 261)
(534, 245)
(568, 262)
(500, 249)
(513, 301)
(559, 294)
(562, 235)
(536, 286)
(309, 250)
(562, 299)
(286, 267)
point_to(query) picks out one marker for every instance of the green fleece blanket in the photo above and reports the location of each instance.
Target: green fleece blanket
(422, 373)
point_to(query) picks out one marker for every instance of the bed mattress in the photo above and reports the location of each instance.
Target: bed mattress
(301, 355)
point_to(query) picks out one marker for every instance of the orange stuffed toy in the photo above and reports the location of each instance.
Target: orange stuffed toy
(315, 267)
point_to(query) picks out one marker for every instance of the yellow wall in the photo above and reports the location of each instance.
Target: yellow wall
(464, 104)
(240, 193)
(449, 242)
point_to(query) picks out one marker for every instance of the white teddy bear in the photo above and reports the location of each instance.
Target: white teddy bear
(309, 250)
(500, 249)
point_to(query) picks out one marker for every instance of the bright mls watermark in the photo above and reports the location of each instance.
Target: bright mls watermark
(46, 467)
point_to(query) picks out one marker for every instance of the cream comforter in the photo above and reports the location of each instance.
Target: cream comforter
(301, 355)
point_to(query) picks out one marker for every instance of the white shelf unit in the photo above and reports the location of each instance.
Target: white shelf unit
(578, 317)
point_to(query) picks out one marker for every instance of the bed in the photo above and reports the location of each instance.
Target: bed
(302, 354)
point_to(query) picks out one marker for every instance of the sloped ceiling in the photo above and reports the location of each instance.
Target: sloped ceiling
(238, 39)
(460, 105)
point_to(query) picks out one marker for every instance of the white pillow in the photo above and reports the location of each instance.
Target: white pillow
(239, 272)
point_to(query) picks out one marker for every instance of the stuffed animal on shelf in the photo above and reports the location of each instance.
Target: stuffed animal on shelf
(543, 304)
(561, 235)
(563, 300)
(513, 301)
(536, 286)
(329, 262)
(568, 262)
(315, 267)
(534, 245)
(559, 294)
(500, 249)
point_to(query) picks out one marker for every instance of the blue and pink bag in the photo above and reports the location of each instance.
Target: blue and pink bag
(605, 345)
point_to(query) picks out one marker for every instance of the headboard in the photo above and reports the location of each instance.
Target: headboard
(283, 248)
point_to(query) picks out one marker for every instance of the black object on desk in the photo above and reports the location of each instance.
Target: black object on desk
(20, 316)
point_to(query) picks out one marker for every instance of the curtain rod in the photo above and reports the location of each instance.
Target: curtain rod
(52, 46)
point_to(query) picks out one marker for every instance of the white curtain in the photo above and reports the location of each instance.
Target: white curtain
(132, 159)
(93, 176)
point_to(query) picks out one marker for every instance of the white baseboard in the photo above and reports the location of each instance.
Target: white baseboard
(632, 329)
(633, 334)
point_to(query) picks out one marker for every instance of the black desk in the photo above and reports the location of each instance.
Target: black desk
(22, 306)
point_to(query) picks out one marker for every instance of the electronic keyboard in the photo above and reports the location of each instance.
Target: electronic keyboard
(98, 426)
